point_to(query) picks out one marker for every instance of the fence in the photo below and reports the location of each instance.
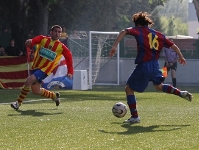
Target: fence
(14, 70)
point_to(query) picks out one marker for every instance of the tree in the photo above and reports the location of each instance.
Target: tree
(40, 10)
(16, 21)
(171, 26)
(88, 14)
(147, 6)
(196, 4)
(18, 15)
(170, 14)
(104, 15)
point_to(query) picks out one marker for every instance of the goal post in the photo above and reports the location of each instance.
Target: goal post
(103, 70)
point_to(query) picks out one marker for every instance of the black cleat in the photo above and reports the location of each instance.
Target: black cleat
(57, 100)
(15, 105)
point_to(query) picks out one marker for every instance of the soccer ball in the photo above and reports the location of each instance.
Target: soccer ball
(119, 110)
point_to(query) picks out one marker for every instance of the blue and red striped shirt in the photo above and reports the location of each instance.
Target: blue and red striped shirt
(149, 43)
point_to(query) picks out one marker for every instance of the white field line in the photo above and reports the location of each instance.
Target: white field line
(29, 101)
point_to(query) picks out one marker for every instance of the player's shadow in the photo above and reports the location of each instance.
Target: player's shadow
(33, 113)
(131, 129)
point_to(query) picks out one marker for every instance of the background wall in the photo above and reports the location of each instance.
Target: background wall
(186, 75)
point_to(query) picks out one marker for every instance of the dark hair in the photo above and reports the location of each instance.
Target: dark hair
(142, 18)
(55, 26)
(11, 40)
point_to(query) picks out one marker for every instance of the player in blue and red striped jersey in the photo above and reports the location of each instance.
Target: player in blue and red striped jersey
(149, 45)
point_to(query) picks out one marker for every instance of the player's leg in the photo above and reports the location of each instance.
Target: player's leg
(167, 88)
(34, 81)
(37, 90)
(136, 82)
(24, 92)
(131, 101)
(173, 73)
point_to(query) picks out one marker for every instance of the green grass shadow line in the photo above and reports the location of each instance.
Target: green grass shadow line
(136, 129)
(33, 113)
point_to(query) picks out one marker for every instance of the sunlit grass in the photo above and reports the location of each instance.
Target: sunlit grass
(84, 121)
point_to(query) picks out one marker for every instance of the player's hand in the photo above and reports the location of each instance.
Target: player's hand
(182, 61)
(70, 76)
(112, 52)
(28, 42)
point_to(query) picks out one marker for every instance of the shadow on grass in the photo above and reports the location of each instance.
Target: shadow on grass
(140, 129)
(33, 113)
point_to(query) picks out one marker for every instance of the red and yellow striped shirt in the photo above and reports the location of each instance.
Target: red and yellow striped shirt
(48, 54)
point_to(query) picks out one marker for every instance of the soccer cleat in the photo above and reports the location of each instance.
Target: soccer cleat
(15, 105)
(57, 100)
(132, 120)
(186, 95)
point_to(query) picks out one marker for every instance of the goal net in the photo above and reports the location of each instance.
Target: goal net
(91, 54)
(103, 69)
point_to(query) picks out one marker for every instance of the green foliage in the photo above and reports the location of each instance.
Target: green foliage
(180, 11)
(40, 15)
(156, 19)
(84, 15)
(84, 121)
(155, 3)
(88, 15)
(123, 22)
(174, 19)
(173, 26)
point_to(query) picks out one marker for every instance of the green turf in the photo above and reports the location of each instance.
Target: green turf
(84, 121)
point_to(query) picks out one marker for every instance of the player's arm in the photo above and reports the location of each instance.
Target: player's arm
(181, 59)
(69, 61)
(33, 41)
(118, 39)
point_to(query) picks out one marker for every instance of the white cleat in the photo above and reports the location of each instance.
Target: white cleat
(186, 95)
(132, 120)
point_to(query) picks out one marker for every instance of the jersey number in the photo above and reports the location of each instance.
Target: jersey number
(153, 42)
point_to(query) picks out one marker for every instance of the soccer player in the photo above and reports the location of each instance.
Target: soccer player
(149, 45)
(47, 55)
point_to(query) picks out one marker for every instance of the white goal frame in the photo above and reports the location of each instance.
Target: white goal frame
(90, 73)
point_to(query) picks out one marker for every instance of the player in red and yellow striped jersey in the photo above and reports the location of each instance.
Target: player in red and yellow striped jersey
(47, 55)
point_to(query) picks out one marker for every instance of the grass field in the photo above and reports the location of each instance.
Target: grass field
(84, 121)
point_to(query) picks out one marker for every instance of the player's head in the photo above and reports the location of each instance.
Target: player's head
(142, 19)
(55, 32)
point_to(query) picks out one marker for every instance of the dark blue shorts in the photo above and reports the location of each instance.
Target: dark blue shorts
(173, 67)
(40, 75)
(143, 73)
